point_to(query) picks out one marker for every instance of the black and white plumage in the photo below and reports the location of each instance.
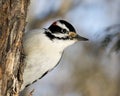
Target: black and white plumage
(44, 47)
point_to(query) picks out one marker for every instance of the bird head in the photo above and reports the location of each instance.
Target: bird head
(63, 30)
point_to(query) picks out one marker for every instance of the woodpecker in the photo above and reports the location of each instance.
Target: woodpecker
(43, 49)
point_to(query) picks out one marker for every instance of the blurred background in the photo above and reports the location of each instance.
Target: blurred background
(87, 68)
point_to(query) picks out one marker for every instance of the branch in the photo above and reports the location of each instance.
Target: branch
(12, 23)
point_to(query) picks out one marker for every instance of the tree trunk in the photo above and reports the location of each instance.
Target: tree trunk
(12, 24)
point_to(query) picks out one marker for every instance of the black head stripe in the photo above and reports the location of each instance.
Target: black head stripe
(48, 34)
(54, 29)
(51, 36)
(68, 25)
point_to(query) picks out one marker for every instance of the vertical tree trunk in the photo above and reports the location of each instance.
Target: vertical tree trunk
(12, 23)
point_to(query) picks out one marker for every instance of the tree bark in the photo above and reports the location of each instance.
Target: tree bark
(12, 24)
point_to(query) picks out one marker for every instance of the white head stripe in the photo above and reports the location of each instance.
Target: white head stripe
(62, 26)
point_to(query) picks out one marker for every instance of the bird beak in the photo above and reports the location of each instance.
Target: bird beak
(75, 35)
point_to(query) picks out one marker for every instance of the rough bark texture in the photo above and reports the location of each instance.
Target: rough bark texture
(12, 23)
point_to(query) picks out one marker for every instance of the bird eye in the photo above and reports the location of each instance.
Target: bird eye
(64, 30)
